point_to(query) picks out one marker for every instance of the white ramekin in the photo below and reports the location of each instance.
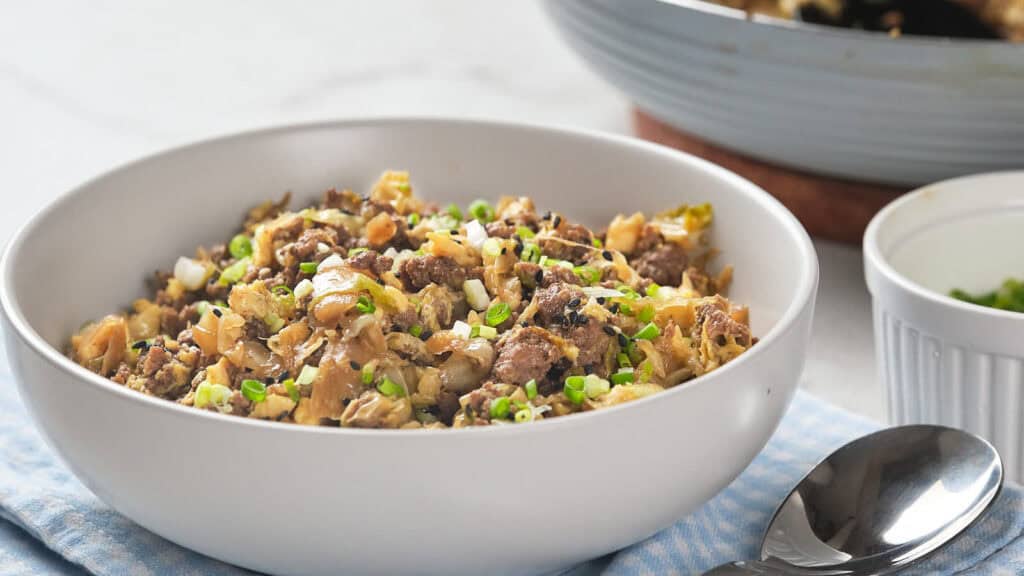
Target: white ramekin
(944, 361)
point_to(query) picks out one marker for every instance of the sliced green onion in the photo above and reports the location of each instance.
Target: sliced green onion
(474, 331)
(544, 261)
(358, 250)
(366, 374)
(416, 330)
(524, 415)
(389, 387)
(488, 332)
(498, 313)
(646, 314)
(293, 392)
(240, 246)
(282, 290)
(481, 210)
(646, 370)
(588, 274)
(274, 322)
(365, 305)
(626, 309)
(234, 273)
(652, 290)
(414, 219)
(254, 390)
(524, 232)
(307, 375)
(594, 386)
(202, 307)
(303, 288)
(597, 242)
(308, 267)
(208, 394)
(623, 360)
(531, 388)
(500, 407)
(531, 253)
(648, 332)
(454, 211)
(573, 389)
(491, 248)
(623, 376)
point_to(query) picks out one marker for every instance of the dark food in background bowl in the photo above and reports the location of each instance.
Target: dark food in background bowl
(383, 311)
(946, 18)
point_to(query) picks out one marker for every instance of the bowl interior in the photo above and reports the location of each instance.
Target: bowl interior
(91, 252)
(965, 233)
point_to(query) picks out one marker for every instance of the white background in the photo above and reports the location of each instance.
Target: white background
(85, 86)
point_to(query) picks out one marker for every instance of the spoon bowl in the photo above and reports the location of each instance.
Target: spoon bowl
(880, 503)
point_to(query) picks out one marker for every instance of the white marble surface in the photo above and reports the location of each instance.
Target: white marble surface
(85, 86)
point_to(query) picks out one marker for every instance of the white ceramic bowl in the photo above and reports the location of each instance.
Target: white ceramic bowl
(944, 361)
(290, 499)
(841, 102)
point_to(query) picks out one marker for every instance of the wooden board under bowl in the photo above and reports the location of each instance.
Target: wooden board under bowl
(829, 208)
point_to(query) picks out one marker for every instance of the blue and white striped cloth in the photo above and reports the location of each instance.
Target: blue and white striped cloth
(50, 524)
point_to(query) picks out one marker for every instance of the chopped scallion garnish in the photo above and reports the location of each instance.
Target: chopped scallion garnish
(623, 376)
(648, 332)
(234, 273)
(594, 386)
(597, 242)
(240, 246)
(574, 389)
(307, 375)
(488, 332)
(500, 407)
(531, 253)
(481, 210)
(358, 250)
(531, 388)
(652, 289)
(366, 375)
(414, 219)
(365, 305)
(454, 211)
(623, 360)
(389, 387)
(254, 390)
(498, 313)
(416, 330)
(588, 274)
(293, 392)
(308, 267)
(524, 415)
(646, 314)
(524, 232)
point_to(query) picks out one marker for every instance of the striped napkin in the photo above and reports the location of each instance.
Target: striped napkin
(51, 524)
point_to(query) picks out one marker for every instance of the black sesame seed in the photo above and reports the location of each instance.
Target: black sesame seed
(396, 328)
(456, 240)
(140, 345)
(524, 324)
(608, 330)
(268, 380)
(284, 376)
(573, 317)
(614, 308)
(623, 341)
(518, 250)
(355, 365)
(504, 250)
(588, 369)
(583, 319)
(546, 216)
(426, 334)
(574, 303)
(601, 300)
(558, 319)
(538, 276)
(555, 223)
(217, 312)
(607, 255)
(380, 281)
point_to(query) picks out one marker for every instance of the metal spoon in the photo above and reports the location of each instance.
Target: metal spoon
(878, 504)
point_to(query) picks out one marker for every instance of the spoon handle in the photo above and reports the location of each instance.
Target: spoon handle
(745, 569)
